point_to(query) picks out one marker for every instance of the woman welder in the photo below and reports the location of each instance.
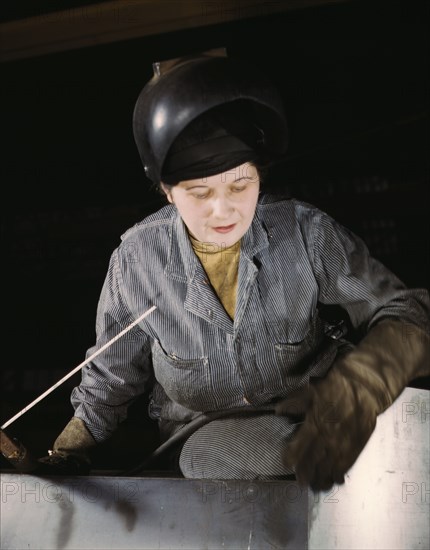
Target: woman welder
(239, 280)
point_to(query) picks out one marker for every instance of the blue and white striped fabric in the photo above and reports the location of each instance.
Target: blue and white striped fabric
(293, 258)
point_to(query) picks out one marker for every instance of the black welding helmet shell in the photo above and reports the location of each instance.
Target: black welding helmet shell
(194, 85)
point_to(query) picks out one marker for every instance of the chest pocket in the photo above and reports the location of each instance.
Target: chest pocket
(186, 381)
(296, 357)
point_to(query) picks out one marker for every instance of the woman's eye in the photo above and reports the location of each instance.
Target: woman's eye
(239, 189)
(200, 195)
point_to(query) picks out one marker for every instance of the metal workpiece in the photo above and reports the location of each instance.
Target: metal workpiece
(106, 513)
(383, 504)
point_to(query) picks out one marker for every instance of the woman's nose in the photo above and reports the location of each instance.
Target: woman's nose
(222, 208)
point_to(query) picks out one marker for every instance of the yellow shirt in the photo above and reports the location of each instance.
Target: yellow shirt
(221, 265)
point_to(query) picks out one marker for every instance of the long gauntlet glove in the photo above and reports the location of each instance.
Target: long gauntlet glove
(340, 410)
(71, 451)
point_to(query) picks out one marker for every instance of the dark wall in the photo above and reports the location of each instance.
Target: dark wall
(355, 81)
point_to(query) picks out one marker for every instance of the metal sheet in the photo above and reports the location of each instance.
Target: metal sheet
(384, 503)
(102, 512)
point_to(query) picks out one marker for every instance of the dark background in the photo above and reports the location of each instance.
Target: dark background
(354, 77)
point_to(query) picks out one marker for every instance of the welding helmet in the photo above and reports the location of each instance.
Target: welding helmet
(203, 114)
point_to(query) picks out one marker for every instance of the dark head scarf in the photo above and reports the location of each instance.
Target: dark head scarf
(216, 141)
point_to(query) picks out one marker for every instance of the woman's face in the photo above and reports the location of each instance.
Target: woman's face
(218, 209)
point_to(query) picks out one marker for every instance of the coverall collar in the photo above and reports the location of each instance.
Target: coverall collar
(200, 299)
(183, 264)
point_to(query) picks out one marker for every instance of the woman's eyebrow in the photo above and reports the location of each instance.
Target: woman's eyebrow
(206, 187)
(242, 178)
(194, 187)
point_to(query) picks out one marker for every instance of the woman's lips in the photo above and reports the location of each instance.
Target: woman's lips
(224, 228)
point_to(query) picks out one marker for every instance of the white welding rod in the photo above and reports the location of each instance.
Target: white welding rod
(72, 372)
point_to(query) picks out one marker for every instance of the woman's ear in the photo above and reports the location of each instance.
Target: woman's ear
(167, 191)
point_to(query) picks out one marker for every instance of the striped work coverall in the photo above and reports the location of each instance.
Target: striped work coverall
(294, 258)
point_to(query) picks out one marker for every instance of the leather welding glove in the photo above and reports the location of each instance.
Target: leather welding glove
(340, 410)
(71, 453)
